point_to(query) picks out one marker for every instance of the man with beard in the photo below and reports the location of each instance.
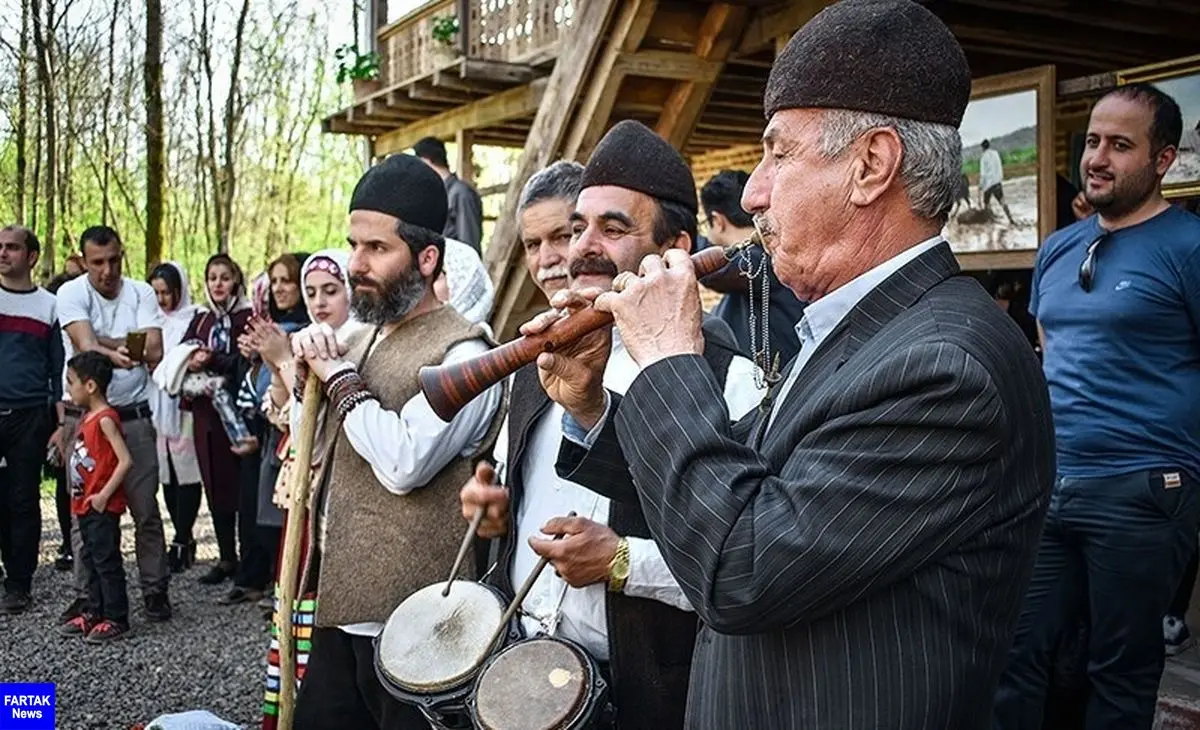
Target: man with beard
(1117, 299)
(857, 550)
(384, 511)
(610, 590)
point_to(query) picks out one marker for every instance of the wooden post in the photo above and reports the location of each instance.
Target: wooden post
(464, 29)
(464, 140)
(548, 130)
(289, 569)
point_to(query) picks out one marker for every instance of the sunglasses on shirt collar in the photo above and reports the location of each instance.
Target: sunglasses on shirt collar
(1087, 270)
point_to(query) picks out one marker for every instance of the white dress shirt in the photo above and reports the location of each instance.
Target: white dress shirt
(822, 316)
(408, 448)
(582, 614)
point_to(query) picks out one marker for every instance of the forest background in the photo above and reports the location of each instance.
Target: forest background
(191, 127)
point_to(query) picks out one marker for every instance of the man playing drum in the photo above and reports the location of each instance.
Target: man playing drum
(622, 605)
(383, 523)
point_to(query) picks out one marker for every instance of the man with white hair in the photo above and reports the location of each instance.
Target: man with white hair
(858, 548)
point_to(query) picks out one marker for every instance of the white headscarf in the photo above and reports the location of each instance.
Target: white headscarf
(177, 321)
(471, 290)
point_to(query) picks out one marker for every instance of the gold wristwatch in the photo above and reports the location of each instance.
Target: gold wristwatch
(618, 567)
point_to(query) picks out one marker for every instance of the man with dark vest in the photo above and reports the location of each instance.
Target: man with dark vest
(383, 518)
(858, 550)
(610, 590)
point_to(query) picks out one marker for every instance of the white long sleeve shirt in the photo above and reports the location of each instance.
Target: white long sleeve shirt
(408, 448)
(582, 614)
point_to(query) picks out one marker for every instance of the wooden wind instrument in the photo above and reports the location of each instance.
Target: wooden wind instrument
(450, 387)
(289, 568)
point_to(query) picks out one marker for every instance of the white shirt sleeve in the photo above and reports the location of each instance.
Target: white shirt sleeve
(500, 453)
(72, 302)
(407, 449)
(149, 316)
(649, 576)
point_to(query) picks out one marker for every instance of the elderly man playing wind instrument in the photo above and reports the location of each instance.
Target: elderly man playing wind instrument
(858, 549)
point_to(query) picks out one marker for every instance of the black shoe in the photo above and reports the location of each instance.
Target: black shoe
(219, 573)
(76, 608)
(14, 602)
(158, 607)
(64, 562)
(240, 595)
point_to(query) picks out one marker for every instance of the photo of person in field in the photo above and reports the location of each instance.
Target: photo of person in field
(997, 202)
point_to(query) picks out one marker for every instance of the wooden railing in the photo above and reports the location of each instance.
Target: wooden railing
(515, 31)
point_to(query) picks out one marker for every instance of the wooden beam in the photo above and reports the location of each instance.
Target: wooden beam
(545, 140)
(464, 28)
(769, 24)
(497, 71)
(668, 65)
(506, 105)
(426, 91)
(464, 141)
(723, 25)
(1114, 16)
(451, 78)
(591, 120)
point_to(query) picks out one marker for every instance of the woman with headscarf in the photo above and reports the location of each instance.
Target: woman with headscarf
(279, 313)
(216, 329)
(178, 467)
(327, 298)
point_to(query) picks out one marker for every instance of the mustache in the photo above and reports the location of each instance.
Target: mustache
(595, 265)
(357, 281)
(764, 225)
(554, 272)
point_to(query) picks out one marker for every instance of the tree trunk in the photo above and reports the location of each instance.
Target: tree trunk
(43, 42)
(22, 111)
(105, 131)
(211, 151)
(154, 133)
(233, 113)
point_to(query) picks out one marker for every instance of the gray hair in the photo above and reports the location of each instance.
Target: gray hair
(560, 181)
(932, 166)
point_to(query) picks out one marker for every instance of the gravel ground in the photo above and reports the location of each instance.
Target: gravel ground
(207, 657)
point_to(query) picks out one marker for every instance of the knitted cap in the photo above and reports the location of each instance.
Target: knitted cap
(632, 156)
(890, 57)
(403, 187)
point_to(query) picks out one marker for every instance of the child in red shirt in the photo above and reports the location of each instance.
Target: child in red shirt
(96, 469)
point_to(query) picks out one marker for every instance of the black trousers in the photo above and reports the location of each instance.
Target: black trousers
(340, 689)
(23, 436)
(107, 594)
(62, 505)
(1183, 594)
(183, 504)
(255, 567)
(1113, 550)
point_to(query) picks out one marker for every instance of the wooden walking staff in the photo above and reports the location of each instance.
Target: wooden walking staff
(289, 568)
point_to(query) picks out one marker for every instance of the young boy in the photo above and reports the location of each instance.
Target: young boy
(97, 467)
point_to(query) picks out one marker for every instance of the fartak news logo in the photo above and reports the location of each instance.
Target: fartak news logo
(26, 706)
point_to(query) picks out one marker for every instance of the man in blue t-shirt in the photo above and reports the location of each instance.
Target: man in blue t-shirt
(1117, 299)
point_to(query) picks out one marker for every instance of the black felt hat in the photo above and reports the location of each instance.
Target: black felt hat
(890, 57)
(632, 156)
(404, 187)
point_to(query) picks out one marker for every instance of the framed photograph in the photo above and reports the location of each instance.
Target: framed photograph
(1181, 79)
(1005, 206)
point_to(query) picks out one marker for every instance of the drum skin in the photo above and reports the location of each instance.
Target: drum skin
(433, 643)
(536, 684)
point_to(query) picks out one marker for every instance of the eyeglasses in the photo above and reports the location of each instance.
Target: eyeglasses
(1087, 270)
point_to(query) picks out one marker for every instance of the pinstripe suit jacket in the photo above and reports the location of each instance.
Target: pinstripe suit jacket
(862, 565)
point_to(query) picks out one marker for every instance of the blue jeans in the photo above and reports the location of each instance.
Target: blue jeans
(1116, 548)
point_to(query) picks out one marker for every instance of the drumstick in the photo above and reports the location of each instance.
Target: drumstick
(521, 594)
(462, 549)
(290, 564)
